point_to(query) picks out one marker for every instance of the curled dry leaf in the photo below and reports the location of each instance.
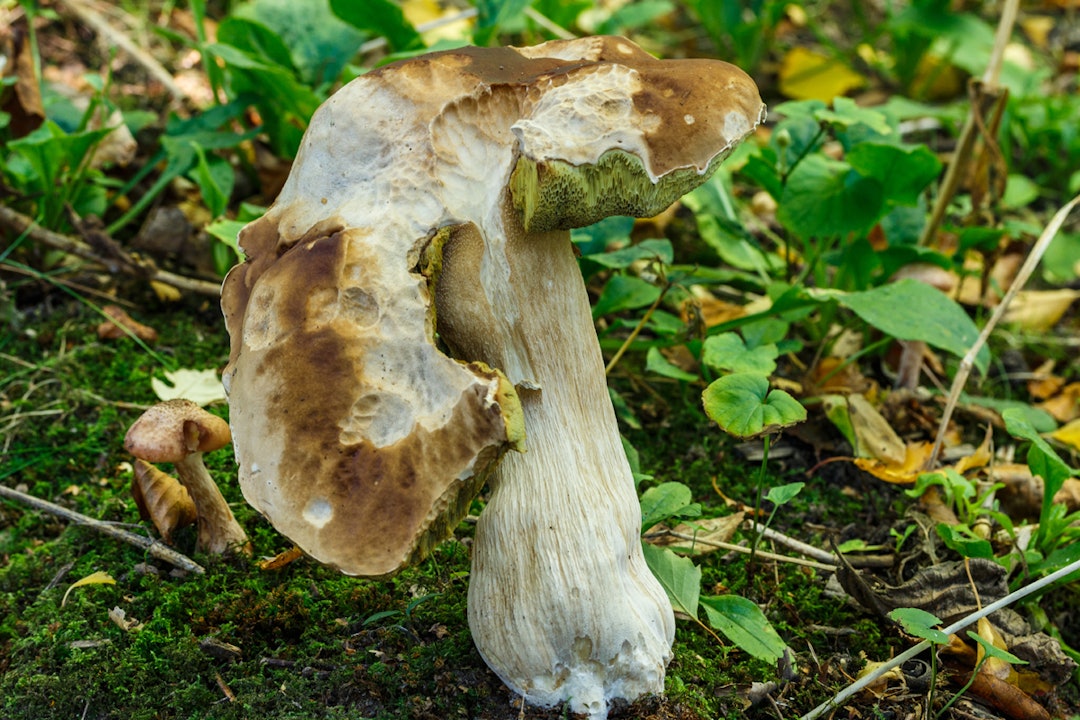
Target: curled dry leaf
(120, 324)
(905, 472)
(281, 559)
(161, 499)
(122, 621)
(1065, 405)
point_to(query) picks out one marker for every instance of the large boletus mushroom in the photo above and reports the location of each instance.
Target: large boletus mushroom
(411, 308)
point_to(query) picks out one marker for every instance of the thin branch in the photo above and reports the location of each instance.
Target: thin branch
(744, 550)
(21, 224)
(962, 373)
(152, 547)
(114, 37)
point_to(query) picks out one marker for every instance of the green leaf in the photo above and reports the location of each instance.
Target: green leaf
(1042, 459)
(903, 171)
(846, 112)
(919, 623)
(994, 651)
(911, 310)
(625, 292)
(826, 198)
(319, 43)
(728, 352)
(783, 494)
(490, 14)
(381, 17)
(743, 405)
(667, 500)
(214, 176)
(679, 576)
(743, 623)
(655, 362)
(968, 545)
(660, 250)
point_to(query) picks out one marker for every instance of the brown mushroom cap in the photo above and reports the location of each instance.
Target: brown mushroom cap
(174, 429)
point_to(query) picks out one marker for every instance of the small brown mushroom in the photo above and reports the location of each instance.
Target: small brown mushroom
(179, 431)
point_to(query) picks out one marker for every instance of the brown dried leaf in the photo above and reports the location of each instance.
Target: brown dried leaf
(120, 323)
(1039, 310)
(161, 499)
(22, 101)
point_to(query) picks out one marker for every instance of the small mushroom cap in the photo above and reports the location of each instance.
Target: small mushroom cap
(174, 429)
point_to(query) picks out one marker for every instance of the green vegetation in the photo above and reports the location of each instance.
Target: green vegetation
(815, 299)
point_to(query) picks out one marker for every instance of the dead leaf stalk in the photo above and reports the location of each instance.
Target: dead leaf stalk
(964, 370)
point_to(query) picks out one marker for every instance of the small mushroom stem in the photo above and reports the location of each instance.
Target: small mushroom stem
(561, 603)
(218, 530)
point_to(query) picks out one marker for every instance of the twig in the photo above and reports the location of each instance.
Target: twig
(984, 94)
(152, 547)
(903, 657)
(112, 36)
(635, 332)
(548, 24)
(19, 223)
(744, 550)
(962, 372)
(797, 545)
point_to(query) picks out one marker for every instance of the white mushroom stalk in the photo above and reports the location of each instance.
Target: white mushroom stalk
(435, 196)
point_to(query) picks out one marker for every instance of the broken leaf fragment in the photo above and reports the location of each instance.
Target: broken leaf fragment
(743, 405)
(96, 578)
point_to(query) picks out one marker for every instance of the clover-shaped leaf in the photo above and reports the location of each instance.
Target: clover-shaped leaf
(742, 405)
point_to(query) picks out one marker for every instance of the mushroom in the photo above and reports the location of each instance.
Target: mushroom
(179, 431)
(410, 309)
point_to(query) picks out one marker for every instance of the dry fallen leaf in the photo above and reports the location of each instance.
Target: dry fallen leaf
(1065, 405)
(281, 559)
(161, 499)
(122, 621)
(1038, 310)
(874, 436)
(120, 324)
(97, 578)
(903, 473)
(199, 386)
(809, 75)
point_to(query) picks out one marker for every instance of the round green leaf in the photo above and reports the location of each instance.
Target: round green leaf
(742, 405)
(728, 352)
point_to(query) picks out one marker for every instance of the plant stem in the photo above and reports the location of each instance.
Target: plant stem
(757, 506)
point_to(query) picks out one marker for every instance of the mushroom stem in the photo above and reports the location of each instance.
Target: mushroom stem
(561, 603)
(219, 532)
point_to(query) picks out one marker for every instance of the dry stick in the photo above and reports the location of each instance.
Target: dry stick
(985, 94)
(20, 223)
(635, 332)
(100, 26)
(903, 657)
(797, 545)
(152, 547)
(746, 551)
(968, 362)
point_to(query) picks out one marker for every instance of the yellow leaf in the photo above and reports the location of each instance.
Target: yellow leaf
(808, 75)
(164, 291)
(1068, 434)
(1040, 309)
(915, 456)
(199, 386)
(97, 578)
